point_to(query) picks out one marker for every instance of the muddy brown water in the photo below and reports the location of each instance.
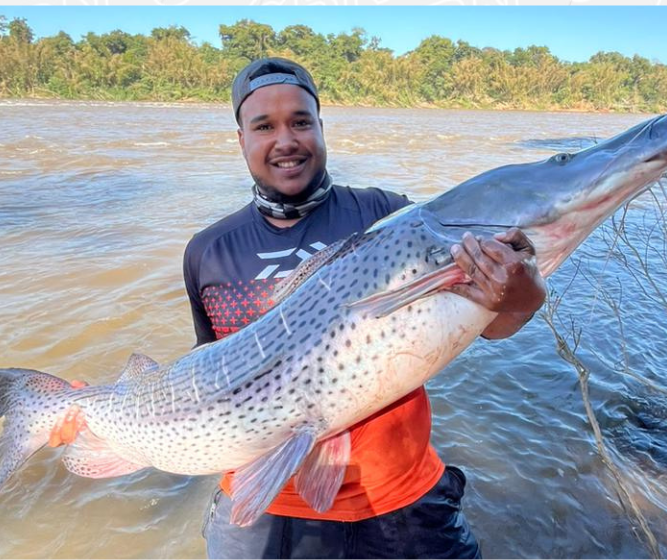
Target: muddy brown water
(97, 201)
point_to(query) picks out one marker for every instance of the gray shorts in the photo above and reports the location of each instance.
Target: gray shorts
(432, 527)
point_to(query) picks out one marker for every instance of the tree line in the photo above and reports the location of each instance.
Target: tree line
(349, 69)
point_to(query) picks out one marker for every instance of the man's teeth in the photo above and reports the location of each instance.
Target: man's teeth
(287, 164)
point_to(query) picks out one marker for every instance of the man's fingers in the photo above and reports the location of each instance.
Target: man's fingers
(469, 292)
(476, 256)
(500, 252)
(517, 239)
(465, 262)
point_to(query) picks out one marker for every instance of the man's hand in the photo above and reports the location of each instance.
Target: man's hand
(504, 277)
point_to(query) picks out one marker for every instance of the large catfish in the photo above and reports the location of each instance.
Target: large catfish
(355, 328)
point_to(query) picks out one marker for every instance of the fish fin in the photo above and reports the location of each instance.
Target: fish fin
(91, 456)
(26, 429)
(305, 270)
(16, 447)
(137, 365)
(321, 475)
(384, 303)
(255, 485)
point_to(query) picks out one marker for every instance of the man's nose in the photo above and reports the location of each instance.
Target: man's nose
(286, 139)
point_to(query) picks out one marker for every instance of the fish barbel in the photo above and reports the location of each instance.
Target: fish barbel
(359, 325)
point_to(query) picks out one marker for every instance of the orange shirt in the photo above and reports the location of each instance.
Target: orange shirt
(392, 464)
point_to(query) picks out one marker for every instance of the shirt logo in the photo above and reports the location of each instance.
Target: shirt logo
(273, 270)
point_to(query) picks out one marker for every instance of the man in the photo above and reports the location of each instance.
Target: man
(397, 497)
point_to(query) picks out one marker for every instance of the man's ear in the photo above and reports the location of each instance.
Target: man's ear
(321, 124)
(239, 133)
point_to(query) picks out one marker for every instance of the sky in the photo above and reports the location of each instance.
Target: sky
(572, 33)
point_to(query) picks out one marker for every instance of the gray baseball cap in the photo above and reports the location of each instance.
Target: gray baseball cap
(268, 72)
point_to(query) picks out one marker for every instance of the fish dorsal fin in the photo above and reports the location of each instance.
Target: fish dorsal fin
(255, 485)
(310, 266)
(321, 475)
(92, 457)
(137, 365)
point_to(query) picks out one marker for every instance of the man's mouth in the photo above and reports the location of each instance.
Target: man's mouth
(289, 163)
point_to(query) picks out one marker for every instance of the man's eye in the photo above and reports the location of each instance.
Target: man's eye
(302, 124)
(263, 127)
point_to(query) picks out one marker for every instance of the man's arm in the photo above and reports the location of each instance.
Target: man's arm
(504, 277)
(202, 322)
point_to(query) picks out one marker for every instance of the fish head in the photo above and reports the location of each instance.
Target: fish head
(559, 201)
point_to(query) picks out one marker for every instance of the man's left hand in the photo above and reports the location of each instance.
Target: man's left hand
(504, 273)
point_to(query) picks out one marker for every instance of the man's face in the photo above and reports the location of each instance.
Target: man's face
(281, 138)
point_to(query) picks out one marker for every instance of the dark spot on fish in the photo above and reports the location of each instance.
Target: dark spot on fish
(304, 339)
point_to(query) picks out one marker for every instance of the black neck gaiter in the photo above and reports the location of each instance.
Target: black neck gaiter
(277, 205)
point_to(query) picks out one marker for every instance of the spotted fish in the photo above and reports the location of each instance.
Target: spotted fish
(361, 324)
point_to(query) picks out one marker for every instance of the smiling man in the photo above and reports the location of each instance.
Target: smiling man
(397, 499)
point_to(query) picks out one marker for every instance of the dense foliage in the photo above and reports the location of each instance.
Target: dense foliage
(350, 69)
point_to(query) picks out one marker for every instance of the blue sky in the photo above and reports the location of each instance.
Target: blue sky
(572, 33)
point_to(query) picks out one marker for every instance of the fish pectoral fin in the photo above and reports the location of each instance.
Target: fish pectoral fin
(319, 479)
(384, 303)
(255, 485)
(137, 365)
(91, 456)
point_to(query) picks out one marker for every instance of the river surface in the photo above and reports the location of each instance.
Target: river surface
(97, 202)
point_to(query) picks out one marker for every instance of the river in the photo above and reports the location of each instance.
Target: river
(97, 202)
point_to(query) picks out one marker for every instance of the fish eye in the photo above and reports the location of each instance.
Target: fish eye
(562, 158)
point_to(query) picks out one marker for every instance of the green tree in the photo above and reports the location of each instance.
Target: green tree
(434, 57)
(247, 40)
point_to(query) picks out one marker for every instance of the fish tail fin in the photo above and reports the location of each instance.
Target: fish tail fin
(25, 429)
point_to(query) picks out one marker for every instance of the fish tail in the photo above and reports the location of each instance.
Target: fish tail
(26, 429)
